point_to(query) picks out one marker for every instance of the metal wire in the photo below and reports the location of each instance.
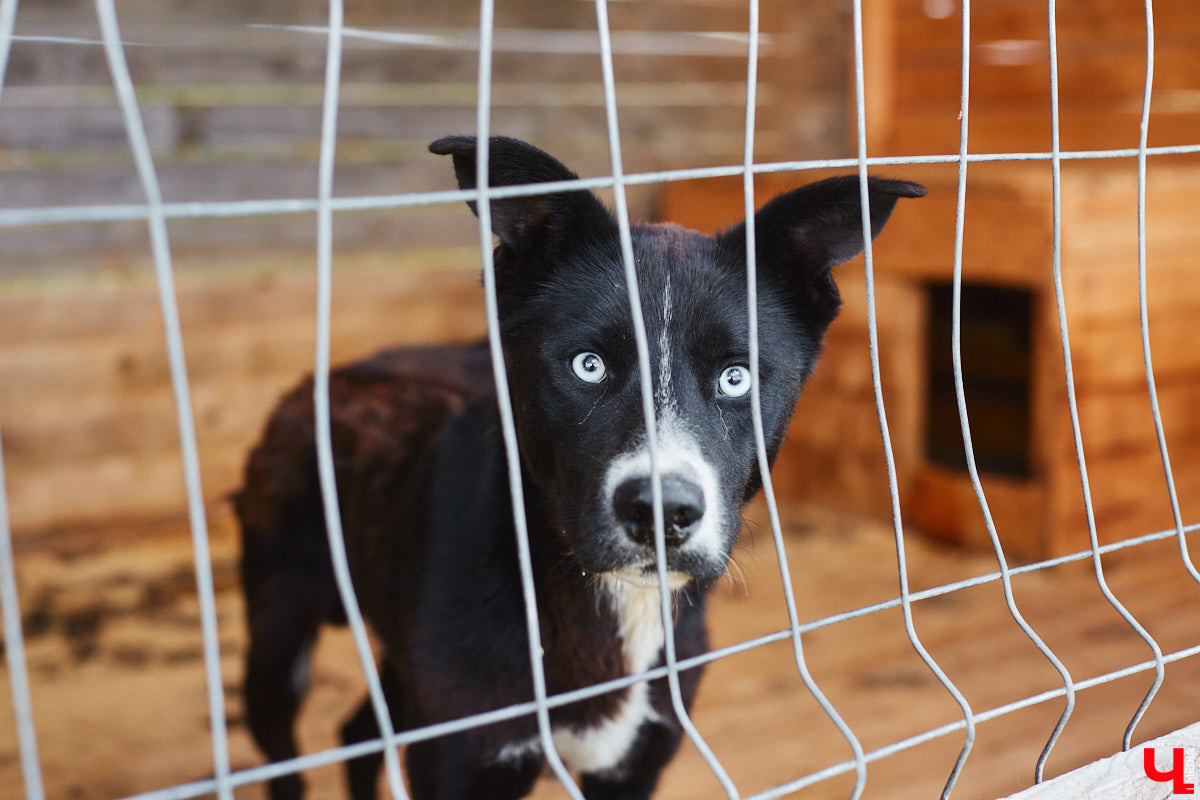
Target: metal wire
(118, 212)
(1076, 432)
(8, 19)
(14, 652)
(961, 397)
(324, 437)
(764, 466)
(957, 725)
(643, 353)
(259, 774)
(504, 401)
(10, 607)
(161, 248)
(336, 755)
(881, 412)
(1143, 303)
(156, 212)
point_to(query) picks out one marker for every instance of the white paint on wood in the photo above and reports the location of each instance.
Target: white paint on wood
(1123, 776)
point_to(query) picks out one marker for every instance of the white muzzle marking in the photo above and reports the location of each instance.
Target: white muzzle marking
(678, 455)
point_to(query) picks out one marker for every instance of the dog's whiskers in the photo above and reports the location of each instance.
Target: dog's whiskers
(735, 566)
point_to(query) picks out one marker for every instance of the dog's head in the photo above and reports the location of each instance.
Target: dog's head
(572, 360)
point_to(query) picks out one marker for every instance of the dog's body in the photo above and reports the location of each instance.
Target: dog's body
(423, 485)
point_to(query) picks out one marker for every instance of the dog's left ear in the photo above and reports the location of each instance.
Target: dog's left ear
(802, 234)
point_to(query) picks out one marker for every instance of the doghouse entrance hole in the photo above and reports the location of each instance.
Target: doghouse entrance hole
(997, 367)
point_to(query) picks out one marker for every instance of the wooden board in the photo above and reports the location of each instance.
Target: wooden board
(90, 435)
(1123, 776)
(231, 101)
(916, 55)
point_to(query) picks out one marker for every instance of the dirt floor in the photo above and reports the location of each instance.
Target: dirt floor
(115, 658)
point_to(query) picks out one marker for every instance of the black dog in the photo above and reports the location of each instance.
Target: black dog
(425, 501)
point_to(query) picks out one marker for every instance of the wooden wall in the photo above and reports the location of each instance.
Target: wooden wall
(1008, 241)
(913, 48)
(232, 111)
(91, 444)
(913, 81)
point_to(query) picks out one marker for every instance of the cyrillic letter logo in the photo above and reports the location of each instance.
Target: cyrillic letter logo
(1175, 775)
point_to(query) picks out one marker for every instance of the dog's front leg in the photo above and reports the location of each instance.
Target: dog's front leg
(636, 778)
(457, 768)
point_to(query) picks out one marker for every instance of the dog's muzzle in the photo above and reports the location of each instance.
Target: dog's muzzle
(682, 503)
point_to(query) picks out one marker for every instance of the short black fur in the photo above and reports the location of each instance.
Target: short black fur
(424, 495)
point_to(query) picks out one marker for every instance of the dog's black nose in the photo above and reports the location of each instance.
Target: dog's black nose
(683, 506)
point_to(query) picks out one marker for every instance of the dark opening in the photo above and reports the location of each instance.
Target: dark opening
(997, 359)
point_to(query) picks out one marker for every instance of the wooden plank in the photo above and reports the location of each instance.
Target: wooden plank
(1114, 355)
(1100, 202)
(838, 478)
(1117, 419)
(1008, 208)
(230, 108)
(1122, 452)
(1094, 72)
(115, 489)
(943, 503)
(1129, 498)
(183, 44)
(1123, 776)
(881, 67)
(1024, 128)
(368, 308)
(1098, 30)
(1101, 51)
(89, 415)
(119, 247)
(1107, 294)
(77, 426)
(1017, 18)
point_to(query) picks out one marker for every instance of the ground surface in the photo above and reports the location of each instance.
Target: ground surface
(114, 652)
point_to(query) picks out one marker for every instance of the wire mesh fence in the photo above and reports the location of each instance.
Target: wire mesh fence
(156, 212)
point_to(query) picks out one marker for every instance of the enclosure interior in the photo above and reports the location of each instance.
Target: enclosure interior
(230, 97)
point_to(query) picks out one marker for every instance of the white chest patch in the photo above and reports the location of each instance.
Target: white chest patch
(639, 617)
(601, 748)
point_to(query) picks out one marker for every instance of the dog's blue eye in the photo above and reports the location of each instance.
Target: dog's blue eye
(589, 367)
(734, 382)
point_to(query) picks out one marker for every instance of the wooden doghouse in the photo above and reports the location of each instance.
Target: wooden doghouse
(1012, 355)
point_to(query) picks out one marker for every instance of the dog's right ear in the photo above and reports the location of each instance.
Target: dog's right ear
(532, 221)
